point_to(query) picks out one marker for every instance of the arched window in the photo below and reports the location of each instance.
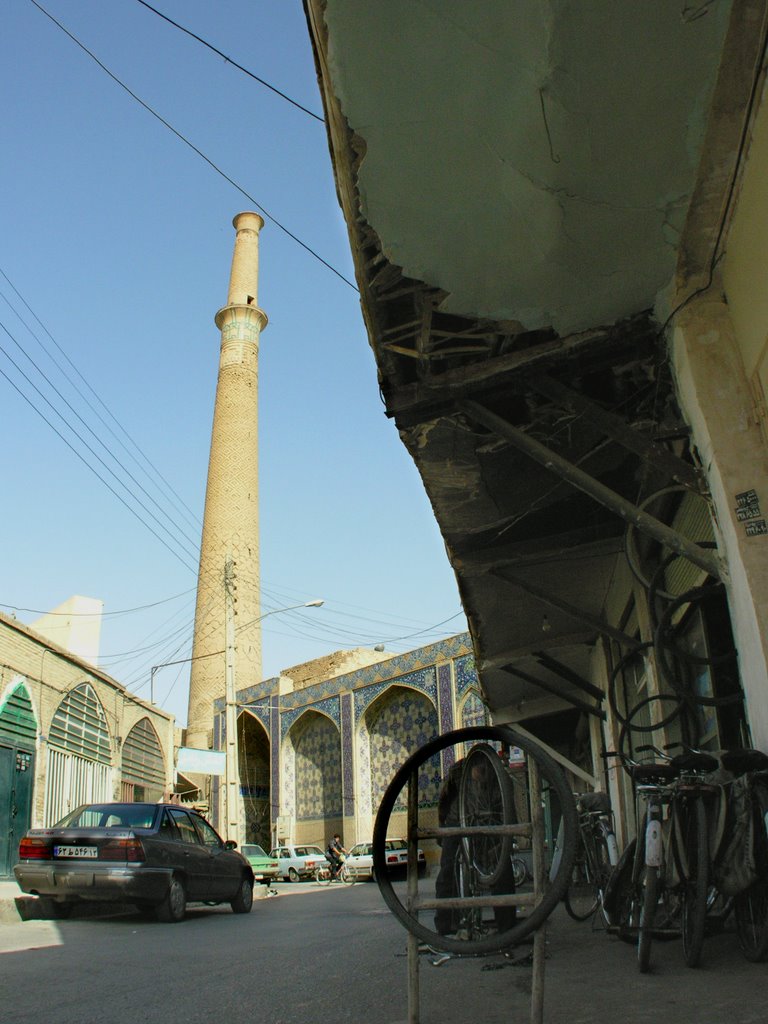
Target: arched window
(143, 775)
(79, 756)
(17, 719)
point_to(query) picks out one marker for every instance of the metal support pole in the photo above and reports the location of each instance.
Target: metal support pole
(231, 823)
(412, 897)
(539, 869)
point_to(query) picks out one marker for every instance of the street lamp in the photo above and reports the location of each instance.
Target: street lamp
(232, 756)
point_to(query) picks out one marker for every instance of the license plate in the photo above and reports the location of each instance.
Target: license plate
(75, 851)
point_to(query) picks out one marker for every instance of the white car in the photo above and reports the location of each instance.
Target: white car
(360, 858)
(297, 862)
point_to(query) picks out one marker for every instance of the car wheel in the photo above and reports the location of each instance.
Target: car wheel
(174, 906)
(243, 902)
(293, 875)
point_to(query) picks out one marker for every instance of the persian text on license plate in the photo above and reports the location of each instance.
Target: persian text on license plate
(75, 851)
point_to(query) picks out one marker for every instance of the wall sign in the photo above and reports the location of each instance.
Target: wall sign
(748, 512)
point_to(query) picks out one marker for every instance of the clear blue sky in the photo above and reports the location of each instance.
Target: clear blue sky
(118, 237)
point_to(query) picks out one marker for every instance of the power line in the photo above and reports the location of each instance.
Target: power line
(82, 459)
(158, 474)
(230, 60)
(93, 433)
(195, 149)
(102, 615)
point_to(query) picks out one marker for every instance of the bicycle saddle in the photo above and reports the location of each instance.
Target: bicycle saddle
(696, 762)
(654, 772)
(598, 801)
(743, 760)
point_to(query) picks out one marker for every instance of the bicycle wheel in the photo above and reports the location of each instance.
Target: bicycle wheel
(621, 899)
(486, 797)
(323, 876)
(751, 911)
(647, 917)
(554, 787)
(519, 871)
(695, 880)
(470, 921)
(581, 897)
(347, 875)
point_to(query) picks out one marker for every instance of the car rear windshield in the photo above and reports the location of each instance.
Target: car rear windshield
(253, 851)
(308, 851)
(110, 816)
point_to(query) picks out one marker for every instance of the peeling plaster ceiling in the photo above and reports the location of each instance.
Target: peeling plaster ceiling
(516, 178)
(533, 160)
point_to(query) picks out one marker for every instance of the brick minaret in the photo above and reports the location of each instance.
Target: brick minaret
(231, 520)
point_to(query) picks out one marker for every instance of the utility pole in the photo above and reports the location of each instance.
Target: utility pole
(231, 802)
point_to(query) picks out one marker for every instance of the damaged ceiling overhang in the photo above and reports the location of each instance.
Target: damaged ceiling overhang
(515, 180)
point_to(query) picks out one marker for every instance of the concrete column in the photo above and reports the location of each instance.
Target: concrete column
(716, 400)
(231, 518)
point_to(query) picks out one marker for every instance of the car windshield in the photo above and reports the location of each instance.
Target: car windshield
(253, 851)
(110, 816)
(394, 844)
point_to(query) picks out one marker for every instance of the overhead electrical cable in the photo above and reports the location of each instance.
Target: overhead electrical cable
(195, 520)
(83, 460)
(101, 615)
(230, 60)
(191, 541)
(195, 149)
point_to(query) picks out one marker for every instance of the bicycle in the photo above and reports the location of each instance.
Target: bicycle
(671, 860)
(596, 857)
(750, 902)
(324, 874)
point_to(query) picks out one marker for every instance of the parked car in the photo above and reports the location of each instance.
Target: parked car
(157, 856)
(360, 859)
(297, 862)
(265, 867)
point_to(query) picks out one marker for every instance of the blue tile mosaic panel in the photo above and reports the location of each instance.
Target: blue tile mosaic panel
(318, 769)
(402, 722)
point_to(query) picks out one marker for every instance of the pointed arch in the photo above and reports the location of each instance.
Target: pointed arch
(254, 768)
(143, 764)
(17, 716)
(400, 721)
(315, 744)
(79, 755)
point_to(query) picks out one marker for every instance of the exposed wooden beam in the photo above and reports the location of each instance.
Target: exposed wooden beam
(575, 613)
(567, 673)
(615, 427)
(581, 705)
(566, 470)
(529, 650)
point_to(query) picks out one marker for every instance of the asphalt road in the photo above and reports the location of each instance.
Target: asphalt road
(315, 955)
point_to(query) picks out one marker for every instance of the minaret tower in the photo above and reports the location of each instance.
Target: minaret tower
(231, 519)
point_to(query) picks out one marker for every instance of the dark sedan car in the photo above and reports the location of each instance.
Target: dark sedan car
(156, 856)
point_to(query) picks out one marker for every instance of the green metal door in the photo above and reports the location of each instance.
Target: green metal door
(16, 775)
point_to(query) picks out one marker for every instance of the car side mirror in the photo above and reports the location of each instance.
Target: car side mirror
(230, 844)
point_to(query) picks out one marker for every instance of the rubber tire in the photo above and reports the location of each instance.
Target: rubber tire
(751, 912)
(581, 898)
(493, 804)
(647, 916)
(519, 871)
(348, 876)
(174, 905)
(243, 902)
(695, 890)
(293, 875)
(323, 876)
(551, 775)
